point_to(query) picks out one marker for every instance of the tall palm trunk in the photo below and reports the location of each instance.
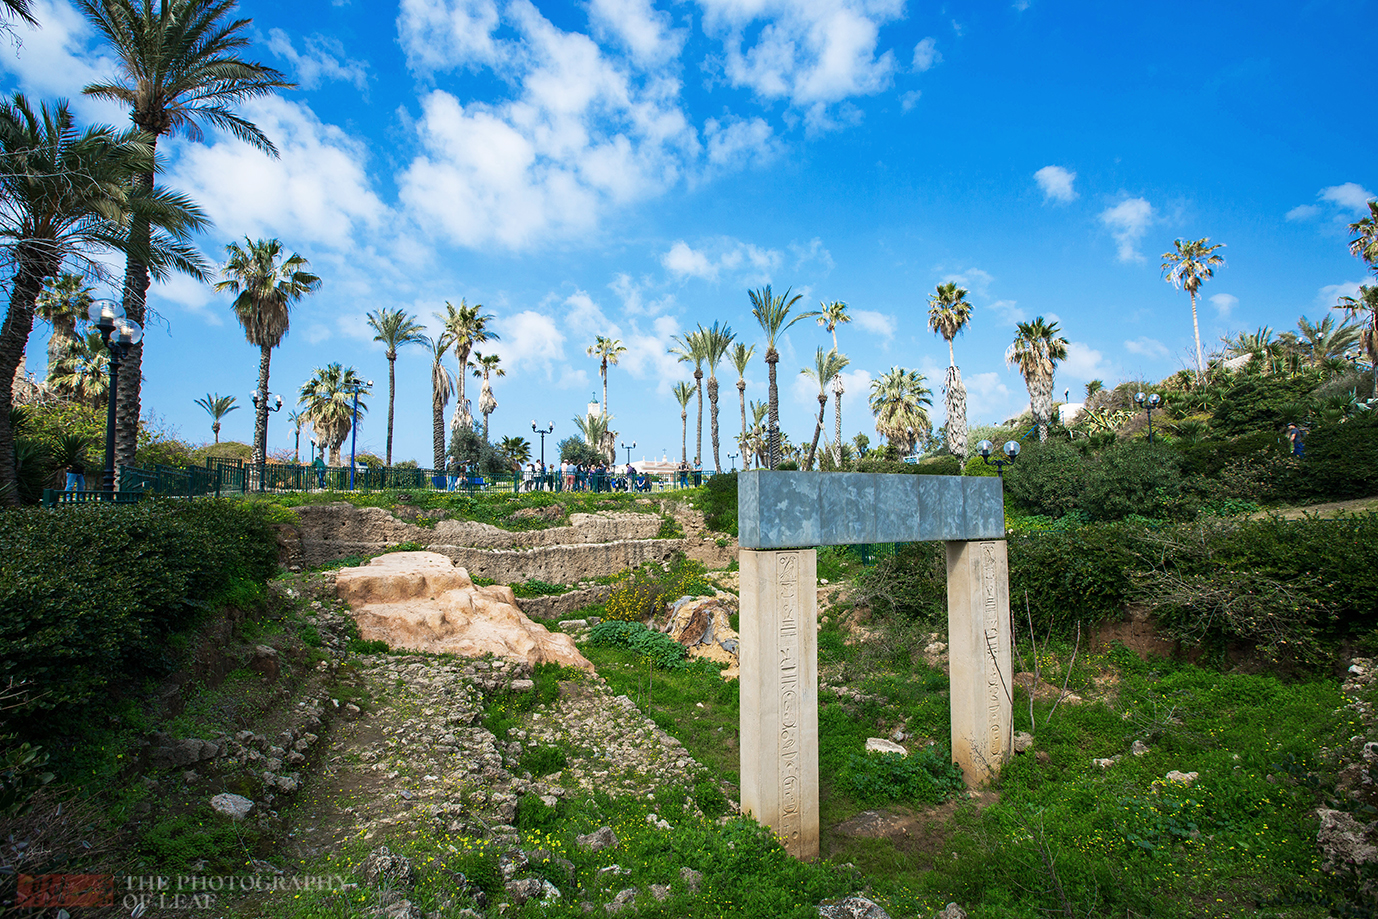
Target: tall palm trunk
(261, 412)
(215, 430)
(713, 414)
(684, 437)
(817, 430)
(1041, 402)
(837, 422)
(28, 282)
(60, 343)
(1196, 330)
(127, 406)
(956, 405)
(698, 437)
(392, 391)
(741, 397)
(773, 417)
(461, 407)
(605, 387)
(438, 434)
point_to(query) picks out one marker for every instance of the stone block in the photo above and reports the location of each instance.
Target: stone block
(847, 509)
(981, 678)
(897, 507)
(779, 694)
(984, 503)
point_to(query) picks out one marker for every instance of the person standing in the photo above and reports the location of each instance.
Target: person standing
(1297, 438)
(76, 477)
(319, 465)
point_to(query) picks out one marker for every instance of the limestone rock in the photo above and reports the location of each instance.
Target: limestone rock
(185, 752)
(703, 625)
(691, 878)
(236, 807)
(421, 601)
(1139, 748)
(265, 662)
(598, 840)
(952, 911)
(623, 900)
(525, 889)
(1343, 841)
(1023, 741)
(661, 892)
(1186, 778)
(382, 866)
(881, 745)
(851, 908)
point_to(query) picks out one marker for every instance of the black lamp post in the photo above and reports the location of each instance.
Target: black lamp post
(117, 333)
(629, 450)
(1011, 450)
(274, 404)
(543, 432)
(354, 427)
(1149, 402)
(733, 457)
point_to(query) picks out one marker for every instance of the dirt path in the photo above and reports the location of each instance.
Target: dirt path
(1328, 509)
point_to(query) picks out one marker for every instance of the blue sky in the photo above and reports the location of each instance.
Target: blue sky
(631, 168)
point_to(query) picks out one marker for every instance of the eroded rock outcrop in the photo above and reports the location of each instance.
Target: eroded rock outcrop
(421, 601)
(703, 625)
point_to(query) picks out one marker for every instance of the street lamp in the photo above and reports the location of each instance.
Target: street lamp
(274, 404)
(543, 432)
(118, 334)
(1150, 402)
(354, 427)
(733, 457)
(629, 450)
(1011, 450)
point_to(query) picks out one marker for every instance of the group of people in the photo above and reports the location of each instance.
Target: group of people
(577, 477)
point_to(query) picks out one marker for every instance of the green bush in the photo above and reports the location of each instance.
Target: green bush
(89, 594)
(1047, 479)
(1341, 460)
(911, 584)
(1080, 574)
(940, 465)
(925, 776)
(660, 648)
(718, 501)
(1135, 477)
(1251, 402)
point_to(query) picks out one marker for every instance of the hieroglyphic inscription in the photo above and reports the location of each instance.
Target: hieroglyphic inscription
(790, 828)
(991, 631)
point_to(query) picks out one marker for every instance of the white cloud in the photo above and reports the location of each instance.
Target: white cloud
(1341, 201)
(579, 136)
(1022, 5)
(809, 52)
(1224, 304)
(1056, 183)
(317, 191)
(926, 55)
(633, 299)
(987, 397)
(724, 255)
(813, 252)
(53, 61)
(1330, 294)
(1350, 196)
(529, 339)
(644, 31)
(910, 99)
(976, 280)
(1085, 363)
(1009, 311)
(1128, 221)
(318, 333)
(1147, 347)
(440, 35)
(875, 323)
(323, 60)
(648, 355)
(740, 142)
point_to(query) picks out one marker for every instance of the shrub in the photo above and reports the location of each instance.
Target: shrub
(1341, 460)
(940, 465)
(665, 653)
(1250, 402)
(1083, 573)
(638, 595)
(89, 594)
(718, 501)
(1047, 479)
(911, 584)
(925, 776)
(976, 465)
(1135, 477)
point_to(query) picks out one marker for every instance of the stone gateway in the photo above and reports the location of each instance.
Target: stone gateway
(782, 516)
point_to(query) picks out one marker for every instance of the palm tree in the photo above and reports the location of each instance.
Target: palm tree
(467, 326)
(217, 406)
(1191, 263)
(899, 400)
(63, 194)
(716, 340)
(683, 393)
(595, 429)
(329, 401)
(741, 356)
(20, 9)
(830, 317)
(826, 367)
(516, 449)
(948, 313)
(607, 350)
(84, 371)
(772, 313)
(296, 418)
(394, 328)
(691, 348)
(1324, 339)
(442, 386)
(1036, 349)
(756, 434)
(63, 303)
(179, 69)
(265, 285)
(486, 364)
(1365, 308)
(1365, 242)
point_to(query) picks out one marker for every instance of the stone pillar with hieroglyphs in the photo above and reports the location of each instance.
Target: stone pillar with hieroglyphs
(779, 694)
(978, 625)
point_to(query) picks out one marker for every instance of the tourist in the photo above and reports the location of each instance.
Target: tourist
(1297, 438)
(319, 465)
(76, 477)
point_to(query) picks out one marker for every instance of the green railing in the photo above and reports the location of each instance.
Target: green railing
(52, 497)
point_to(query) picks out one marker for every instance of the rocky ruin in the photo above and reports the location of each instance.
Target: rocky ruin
(423, 602)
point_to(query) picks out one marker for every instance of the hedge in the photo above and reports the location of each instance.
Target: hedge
(89, 594)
